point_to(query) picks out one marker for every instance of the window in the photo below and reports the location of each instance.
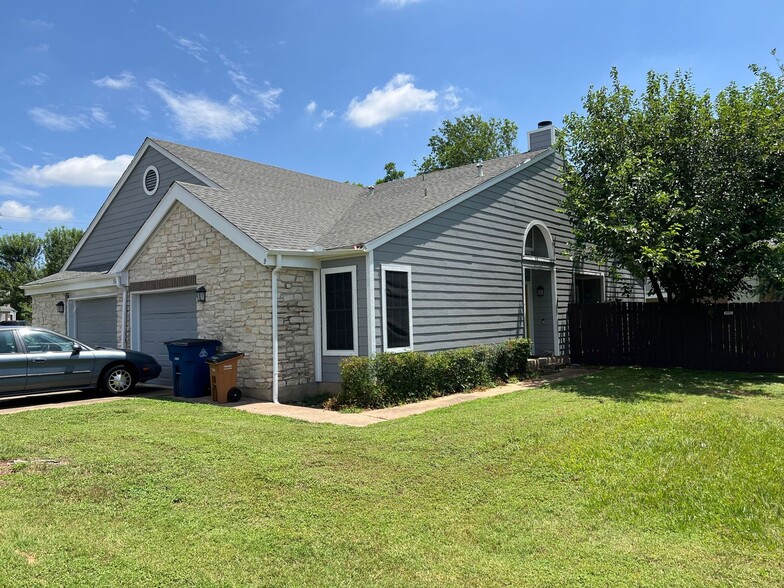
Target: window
(7, 342)
(537, 244)
(396, 301)
(339, 310)
(41, 341)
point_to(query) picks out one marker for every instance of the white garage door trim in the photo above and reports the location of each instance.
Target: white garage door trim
(70, 317)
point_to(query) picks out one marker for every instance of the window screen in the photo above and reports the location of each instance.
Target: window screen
(339, 311)
(397, 301)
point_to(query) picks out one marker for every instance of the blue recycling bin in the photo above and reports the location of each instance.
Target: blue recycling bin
(190, 374)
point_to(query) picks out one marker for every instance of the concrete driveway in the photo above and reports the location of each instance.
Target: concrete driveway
(73, 398)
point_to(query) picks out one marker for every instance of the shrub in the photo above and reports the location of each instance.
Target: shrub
(359, 383)
(396, 378)
(403, 377)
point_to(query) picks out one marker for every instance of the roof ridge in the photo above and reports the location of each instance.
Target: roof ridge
(163, 143)
(530, 153)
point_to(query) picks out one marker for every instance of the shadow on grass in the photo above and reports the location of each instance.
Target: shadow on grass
(635, 384)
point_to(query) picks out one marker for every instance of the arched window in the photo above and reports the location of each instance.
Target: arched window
(538, 242)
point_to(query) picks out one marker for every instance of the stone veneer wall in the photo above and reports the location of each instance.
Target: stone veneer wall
(238, 310)
(295, 328)
(45, 313)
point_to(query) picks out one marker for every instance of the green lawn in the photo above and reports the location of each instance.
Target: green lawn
(625, 477)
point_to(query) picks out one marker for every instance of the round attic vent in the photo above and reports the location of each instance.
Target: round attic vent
(151, 180)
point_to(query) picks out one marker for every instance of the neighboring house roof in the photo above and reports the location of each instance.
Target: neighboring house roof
(283, 209)
(66, 275)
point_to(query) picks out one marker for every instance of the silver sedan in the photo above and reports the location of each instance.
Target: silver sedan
(38, 360)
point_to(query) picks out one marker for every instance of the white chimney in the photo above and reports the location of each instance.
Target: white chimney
(542, 137)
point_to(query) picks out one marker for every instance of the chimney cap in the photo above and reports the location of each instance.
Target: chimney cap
(545, 123)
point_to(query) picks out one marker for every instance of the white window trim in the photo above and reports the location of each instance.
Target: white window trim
(396, 268)
(339, 270)
(157, 180)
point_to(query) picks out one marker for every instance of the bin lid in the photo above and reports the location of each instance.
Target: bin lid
(192, 342)
(221, 357)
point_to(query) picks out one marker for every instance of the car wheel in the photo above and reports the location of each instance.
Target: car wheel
(118, 379)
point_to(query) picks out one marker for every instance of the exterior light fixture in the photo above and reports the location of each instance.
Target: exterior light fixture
(60, 307)
(201, 294)
(540, 290)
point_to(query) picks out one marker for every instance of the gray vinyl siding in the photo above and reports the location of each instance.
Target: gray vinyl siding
(127, 212)
(467, 279)
(330, 364)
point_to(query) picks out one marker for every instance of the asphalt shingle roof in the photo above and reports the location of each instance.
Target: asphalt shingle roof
(66, 275)
(283, 209)
(278, 208)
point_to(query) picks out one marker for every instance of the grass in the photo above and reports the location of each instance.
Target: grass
(629, 477)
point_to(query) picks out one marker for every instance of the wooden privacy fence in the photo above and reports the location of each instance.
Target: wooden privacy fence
(736, 337)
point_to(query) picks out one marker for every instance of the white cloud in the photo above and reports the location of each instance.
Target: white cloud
(325, 116)
(191, 47)
(8, 189)
(397, 98)
(311, 107)
(57, 122)
(101, 117)
(141, 111)
(267, 98)
(38, 79)
(18, 211)
(122, 82)
(451, 99)
(38, 25)
(90, 170)
(199, 116)
(398, 3)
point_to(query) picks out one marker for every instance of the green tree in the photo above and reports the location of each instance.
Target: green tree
(468, 139)
(58, 243)
(392, 173)
(676, 187)
(20, 256)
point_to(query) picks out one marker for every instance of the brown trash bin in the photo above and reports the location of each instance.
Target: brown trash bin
(223, 377)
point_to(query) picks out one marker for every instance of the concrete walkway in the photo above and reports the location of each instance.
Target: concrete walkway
(369, 417)
(302, 413)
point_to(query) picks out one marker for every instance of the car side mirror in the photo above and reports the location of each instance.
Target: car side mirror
(77, 349)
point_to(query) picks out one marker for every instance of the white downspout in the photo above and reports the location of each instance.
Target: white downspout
(122, 283)
(278, 267)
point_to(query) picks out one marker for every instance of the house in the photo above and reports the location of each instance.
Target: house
(7, 313)
(299, 271)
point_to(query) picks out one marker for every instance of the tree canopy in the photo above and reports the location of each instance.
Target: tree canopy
(468, 139)
(25, 257)
(678, 187)
(392, 173)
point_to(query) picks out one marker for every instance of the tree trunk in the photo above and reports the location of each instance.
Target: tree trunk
(656, 288)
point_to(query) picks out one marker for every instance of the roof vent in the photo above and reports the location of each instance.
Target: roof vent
(151, 180)
(545, 123)
(480, 172)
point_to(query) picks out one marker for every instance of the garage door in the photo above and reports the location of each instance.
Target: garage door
(165, 317)
(95, 321)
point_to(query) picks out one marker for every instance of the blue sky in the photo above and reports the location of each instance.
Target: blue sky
(335, 89)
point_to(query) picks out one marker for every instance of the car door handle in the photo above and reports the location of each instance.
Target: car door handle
(39, 360)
